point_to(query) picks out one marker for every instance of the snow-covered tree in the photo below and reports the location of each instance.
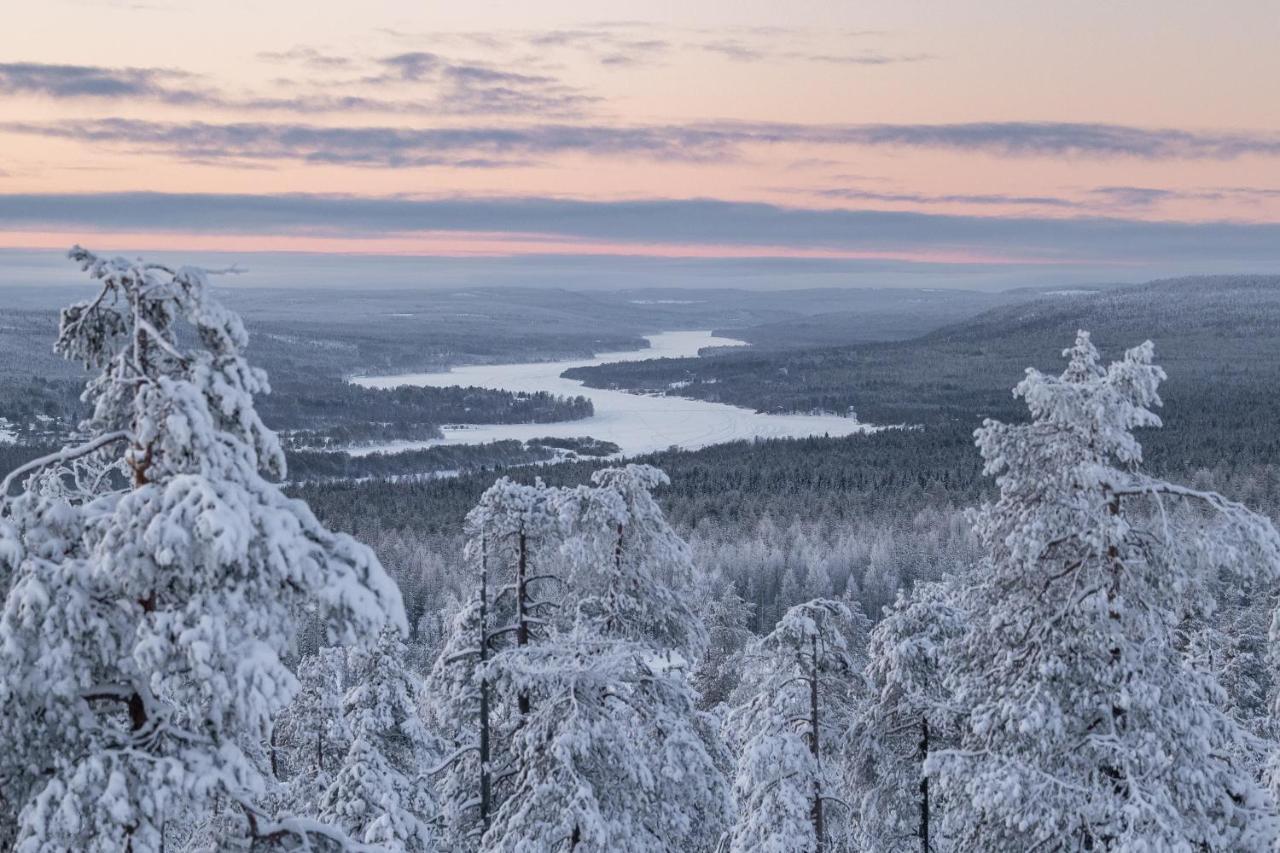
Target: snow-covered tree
(906, 718)
(606, 749)
(513, 538)
(380, 793)
(311, 735)
(156, 577)
(799, 691)
(635, 575)
(716, 674)
(1086, 728)
(460, 708)
(613, 756)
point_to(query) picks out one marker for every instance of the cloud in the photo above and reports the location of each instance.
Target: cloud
(943, 198)
(637, 43)
(411, 67)
(611, 44)
(399, 146)
(308, 56)
(650, 221)
(1130, 196)
(736, 50)
(89, 81)
(453, 88)
(1049, 139)
(864, 58)
(377, 146)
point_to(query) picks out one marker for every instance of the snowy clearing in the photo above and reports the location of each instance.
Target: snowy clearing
(636, 423)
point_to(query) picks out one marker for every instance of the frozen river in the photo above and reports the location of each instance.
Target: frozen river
(636, 423)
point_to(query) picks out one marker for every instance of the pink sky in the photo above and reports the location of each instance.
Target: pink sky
(188, 97)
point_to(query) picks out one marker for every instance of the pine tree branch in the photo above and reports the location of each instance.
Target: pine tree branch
(67, 454)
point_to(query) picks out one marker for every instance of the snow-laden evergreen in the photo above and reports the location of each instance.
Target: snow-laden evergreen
(613, 756)
(726, 616)
(635, 575)
(792, 710)
(907, 717)
(381, 794)
(311, 736)
(1086, 728)
(566, 672)
(514, 536)
(156, 574)
(461, 709)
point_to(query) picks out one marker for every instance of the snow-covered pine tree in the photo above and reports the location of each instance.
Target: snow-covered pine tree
(791, 711)
(311, 735)
(716, 674)
(613, 754)
(906, 718)
(522, 526)
(380, 794)
(454, 711)
(143, 630)
(634, 575)
(514, 534)
(1085, 727)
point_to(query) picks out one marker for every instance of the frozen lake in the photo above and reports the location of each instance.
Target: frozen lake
(635, 422)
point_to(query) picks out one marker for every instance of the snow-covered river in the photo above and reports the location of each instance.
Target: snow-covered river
(636, 423)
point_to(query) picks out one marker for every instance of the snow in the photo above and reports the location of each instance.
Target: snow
(636, 423)
(7, 433)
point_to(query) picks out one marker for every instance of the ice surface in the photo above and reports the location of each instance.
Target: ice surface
(635, 422)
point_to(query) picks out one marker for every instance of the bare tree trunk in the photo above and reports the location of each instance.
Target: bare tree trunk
(275, 758)
(819, 831)
(924, 785)
(522, 614)
(484, 687)
(617, 563)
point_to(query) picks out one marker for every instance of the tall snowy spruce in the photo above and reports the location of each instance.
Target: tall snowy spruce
(1086, 729)
(156, 574)
(792, 710)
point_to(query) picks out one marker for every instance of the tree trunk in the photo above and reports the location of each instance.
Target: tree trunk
(484, 687)
(819, 831)
(617, 565)
(924, 785)
(522, 615)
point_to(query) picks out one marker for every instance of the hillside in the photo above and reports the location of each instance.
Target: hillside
(886, 314)
(1218, 338)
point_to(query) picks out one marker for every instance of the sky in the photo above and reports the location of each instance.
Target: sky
(972, 141)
